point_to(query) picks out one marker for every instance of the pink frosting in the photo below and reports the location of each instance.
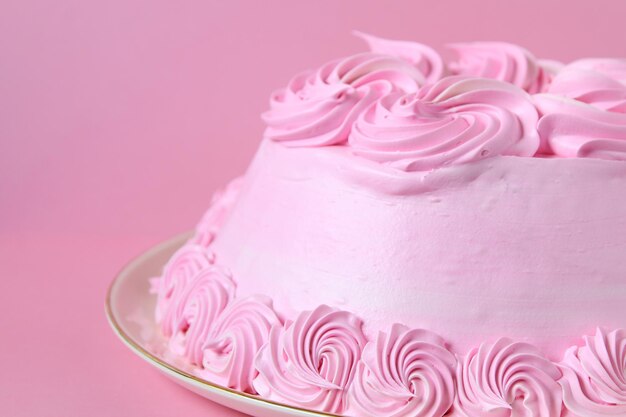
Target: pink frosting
(234, 341)
(594, 376)
(501, 61)
(409, 227)
(323, 361)
(507, 379)
(217, 213)
(197, 308)
(614, 68)
(318, 107)
(312, 361)
(585, 111)
(423, 57)
(182, 267)
(321, 226)
(404, 373)
(456, 120)
(602, 88)
(573, 129)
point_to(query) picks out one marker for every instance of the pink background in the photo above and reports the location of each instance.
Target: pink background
(119, 118)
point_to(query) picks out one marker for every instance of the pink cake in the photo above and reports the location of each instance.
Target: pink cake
(420, 237)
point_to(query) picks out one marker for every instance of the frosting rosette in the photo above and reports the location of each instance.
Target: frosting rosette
(234, 341)
(220, 207)
(318, 107)
(599, 82)
(501, 61)
(507, 379)
(594, 376)
(456, 120)
(404, 373)
(183, 266)
(202, 301)
(311, 361)
(584, 111)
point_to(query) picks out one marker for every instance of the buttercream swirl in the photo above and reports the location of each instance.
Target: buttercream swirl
(234, 341)
(423, 57)
(594, 376)
(404, 373)
(318, 107)
(200, 304)
(501, 61)
(214, 218)
(456, 120)
(183, 266)
(311, 362)
(614, 68)
(573, 129)
(584, 111)
(601, 83)
(507, 379)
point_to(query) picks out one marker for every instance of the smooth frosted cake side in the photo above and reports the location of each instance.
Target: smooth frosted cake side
(420, 237)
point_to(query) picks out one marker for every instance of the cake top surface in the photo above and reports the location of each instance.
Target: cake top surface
(404, 107)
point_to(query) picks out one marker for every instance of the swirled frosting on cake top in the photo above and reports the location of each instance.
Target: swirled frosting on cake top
(403, 105)
(501, 61)
(455, 120)
(318, 107)
(584, 110)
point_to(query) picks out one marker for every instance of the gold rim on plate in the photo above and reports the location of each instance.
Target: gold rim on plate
(141, 351)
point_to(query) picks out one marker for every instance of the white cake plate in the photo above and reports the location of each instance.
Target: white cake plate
(130, 311)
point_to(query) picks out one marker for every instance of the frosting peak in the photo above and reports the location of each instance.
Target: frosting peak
(501, 61)
(423, 57)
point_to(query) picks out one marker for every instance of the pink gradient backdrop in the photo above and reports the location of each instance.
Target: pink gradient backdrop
(119, 118)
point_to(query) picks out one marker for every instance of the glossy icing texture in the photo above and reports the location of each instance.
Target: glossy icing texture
(455, 120)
